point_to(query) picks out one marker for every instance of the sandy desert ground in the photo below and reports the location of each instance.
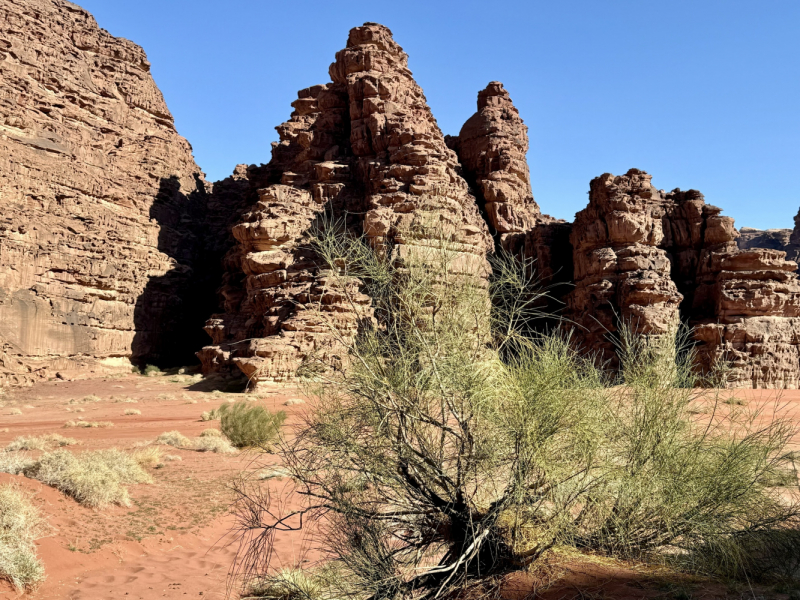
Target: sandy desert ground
(174, 540)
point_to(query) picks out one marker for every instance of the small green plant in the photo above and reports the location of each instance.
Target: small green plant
(20, 524)
(245, 424)
(151, 371)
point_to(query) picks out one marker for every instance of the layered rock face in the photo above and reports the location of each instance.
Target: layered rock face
(649, 258)
(492, 147)
(771, 239)
(364, 148)
(103, 209)
(622, 271)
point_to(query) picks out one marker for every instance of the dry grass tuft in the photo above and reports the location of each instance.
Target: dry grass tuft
(15, 463)
(96, 478)
(175, 439)
(171, 457)
(211, 433)
(40, 442)
(124, 400)
(149, 456)
(211, 415)
(217, 444)
(287, 584)
(166, 397)
(88, 424)
(132, 411)
(20, 524)
(15, 411)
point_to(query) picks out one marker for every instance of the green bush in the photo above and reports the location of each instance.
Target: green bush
(246, 424)
(450, 448)
(20, 524)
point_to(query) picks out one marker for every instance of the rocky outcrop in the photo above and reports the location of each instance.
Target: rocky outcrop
(771, 239)
(622, 270)
(104, 211)
(364, 148)
(649, 258)
(491, 147)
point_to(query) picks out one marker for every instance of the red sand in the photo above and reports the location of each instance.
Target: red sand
(174, 542)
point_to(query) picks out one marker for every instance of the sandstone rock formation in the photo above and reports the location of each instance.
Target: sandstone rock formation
(772, 239)
(364, 147)
(650, 258)
(622, 271)
(492, 147)
(103, 209)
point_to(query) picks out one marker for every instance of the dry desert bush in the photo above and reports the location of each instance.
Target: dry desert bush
(15, 463)
(132, 411)
(218, 444)
(20, 525)
(175, 439)
(88, 424)
(40, 442)
(14, 411)
(149, 456)
(450, 449)
(94, 478)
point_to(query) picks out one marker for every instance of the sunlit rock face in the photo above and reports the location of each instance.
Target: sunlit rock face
(363, 148)
(103, 211)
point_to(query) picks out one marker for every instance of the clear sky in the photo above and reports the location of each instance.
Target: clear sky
(702, 94)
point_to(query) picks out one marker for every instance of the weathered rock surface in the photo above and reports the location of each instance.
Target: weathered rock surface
(102, 207)
(365, 147)
(771, 239)
(622, 270)
(492, 147)
(650, 258)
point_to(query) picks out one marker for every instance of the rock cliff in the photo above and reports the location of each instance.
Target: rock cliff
(364, 148)
(103, 210)
(114, 248)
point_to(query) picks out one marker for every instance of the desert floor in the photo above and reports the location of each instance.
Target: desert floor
(174, 540)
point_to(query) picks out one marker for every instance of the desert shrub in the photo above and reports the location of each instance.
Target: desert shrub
(287, 584)
(95, 478)
(151, 371)
(172, 457)
(213, 443)
(20, 524)
(149, 456)
(15, 462)
(14, 412)
(211, 433)
(213, 414)
(39, 442)
(132, 411)
(248, 425)
(88, 424)
(175, 439)
(449, 448)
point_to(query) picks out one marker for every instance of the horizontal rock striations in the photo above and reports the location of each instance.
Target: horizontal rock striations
(103, 218)
(364, 148)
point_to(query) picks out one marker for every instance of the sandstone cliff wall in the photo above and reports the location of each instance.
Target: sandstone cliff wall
(364, 148)
(103, 211)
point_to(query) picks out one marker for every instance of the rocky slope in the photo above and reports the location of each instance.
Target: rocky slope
(102, 207)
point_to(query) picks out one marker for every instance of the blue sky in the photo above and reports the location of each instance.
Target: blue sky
(702, 94)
